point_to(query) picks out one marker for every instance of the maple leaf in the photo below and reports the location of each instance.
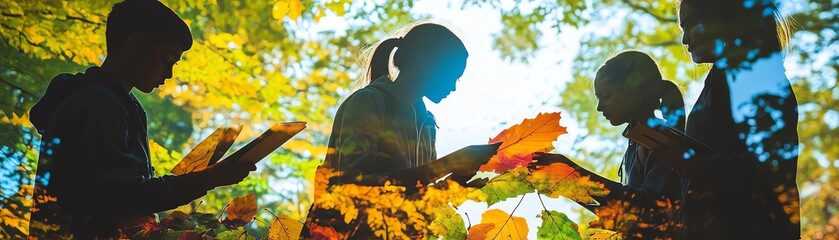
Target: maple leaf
(291, 8)
(521, 140)
(510, 184)
(320, 232)
(240, 211)
(559, 179)
(556, 225)
(283, 227)
(497, 224)
(208, 151)
(448, 224)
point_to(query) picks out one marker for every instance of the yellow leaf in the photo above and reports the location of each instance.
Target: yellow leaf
(601, 234)
(33, 36)
(497, 224)
(338, 7)
(280, 10)
(240, 211)
(319, 13)
(208, 151)
(284, 228)
(21, 121)
(295, 8)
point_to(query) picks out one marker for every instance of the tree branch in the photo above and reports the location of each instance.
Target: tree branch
(23, 91)
(643, 9)
(30, 42)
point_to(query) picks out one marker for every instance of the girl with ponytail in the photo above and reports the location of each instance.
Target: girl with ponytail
(383, 131)
(629, 89)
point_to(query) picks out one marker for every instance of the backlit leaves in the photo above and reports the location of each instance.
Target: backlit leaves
(556, 225)
(522, 140)
(284, 228)
(559, 179)
(497, 224)
(209, 150)
(510, 184)
(448, 224)
(240, 211)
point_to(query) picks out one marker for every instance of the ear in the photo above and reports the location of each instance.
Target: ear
(135, 43)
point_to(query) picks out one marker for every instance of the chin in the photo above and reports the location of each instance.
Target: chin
(700, 59)
(436, 99)
(146, 90)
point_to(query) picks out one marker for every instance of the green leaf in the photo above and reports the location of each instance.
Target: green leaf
(510, 184)
(556, 225)
(448, 224)
(238, 234)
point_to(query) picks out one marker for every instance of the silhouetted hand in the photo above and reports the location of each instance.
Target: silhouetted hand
(544, 159)
(229, 172)
(467, 160)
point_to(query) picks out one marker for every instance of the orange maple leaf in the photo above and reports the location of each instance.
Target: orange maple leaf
(324, 233)
(522, 140)
(240, 211)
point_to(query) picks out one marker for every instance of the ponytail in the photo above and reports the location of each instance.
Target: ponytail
(672, 104)
(417, 38)
(379, 62)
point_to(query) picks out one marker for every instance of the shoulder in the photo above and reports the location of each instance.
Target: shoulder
(95, 98)
(364, 97)
(96, 93)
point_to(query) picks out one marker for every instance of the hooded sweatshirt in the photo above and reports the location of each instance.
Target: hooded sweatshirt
(94, 171)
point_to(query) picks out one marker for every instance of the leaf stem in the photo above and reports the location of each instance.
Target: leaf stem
(510, 217)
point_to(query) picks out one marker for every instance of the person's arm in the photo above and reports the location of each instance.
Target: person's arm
(110, 182)
(357, 154)
(661, 184)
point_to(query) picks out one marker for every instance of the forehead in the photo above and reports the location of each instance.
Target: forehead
(602, 86)
(684, 12)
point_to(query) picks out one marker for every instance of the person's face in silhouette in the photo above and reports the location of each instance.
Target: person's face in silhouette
(697, 35)
(617, 103)
(441, 77)
(153, 63)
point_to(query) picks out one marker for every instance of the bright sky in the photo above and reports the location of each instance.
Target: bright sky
(494, 94)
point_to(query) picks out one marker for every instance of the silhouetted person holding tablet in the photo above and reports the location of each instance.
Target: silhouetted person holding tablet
(94, 176)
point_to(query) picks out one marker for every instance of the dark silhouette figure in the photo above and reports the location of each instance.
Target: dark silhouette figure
(94, 176)
(384, 133)
(629, 88)
(748, 113)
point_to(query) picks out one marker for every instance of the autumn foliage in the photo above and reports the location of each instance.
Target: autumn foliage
(393, 213)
